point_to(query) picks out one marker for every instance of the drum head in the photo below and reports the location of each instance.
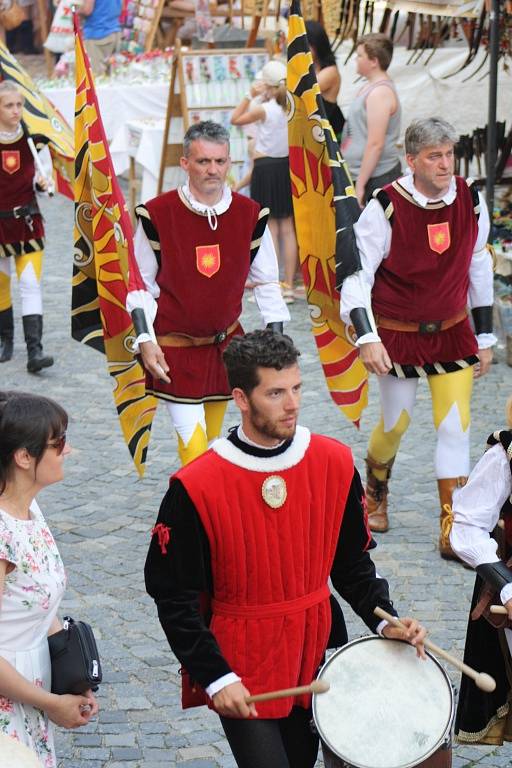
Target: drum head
(385, 707)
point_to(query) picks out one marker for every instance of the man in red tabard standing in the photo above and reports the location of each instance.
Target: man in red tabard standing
(21, 232)
(424, 257)
(259, 523)
(196, 247)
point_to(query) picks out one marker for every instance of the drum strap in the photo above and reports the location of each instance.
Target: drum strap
(269, 610)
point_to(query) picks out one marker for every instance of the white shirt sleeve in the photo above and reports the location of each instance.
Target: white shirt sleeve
(221, 683)
(45, 159)
(373, 237)
(144, 299)
(477, 505)
(264, 272)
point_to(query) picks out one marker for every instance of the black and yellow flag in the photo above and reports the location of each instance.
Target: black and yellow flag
(42, 119)
(104, 264)
(325, 209)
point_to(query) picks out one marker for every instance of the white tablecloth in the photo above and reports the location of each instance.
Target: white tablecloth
(118, 102)
(142, 141)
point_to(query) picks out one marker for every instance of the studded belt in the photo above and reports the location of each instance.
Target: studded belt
(20, 211)
(425, 327)
(184, 340)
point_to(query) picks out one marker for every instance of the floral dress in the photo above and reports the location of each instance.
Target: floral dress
(32, 593)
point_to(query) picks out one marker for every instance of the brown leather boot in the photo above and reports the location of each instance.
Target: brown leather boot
(377, 495)
(446, 486)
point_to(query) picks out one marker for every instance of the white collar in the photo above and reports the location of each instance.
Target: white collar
(212, 211)
(407, 182)
(8, 137)
(289, 458)
(244, 439)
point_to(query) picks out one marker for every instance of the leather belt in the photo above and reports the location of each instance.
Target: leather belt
(20, 211)
(425, 327)
(183, 340)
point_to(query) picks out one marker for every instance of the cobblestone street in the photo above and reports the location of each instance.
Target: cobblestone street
(101, 515)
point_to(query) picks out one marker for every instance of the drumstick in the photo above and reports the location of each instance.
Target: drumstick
(497, 609)
(483, 681)
(317, 686)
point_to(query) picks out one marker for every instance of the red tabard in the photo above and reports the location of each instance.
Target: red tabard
(16, 188)
(271, 612)
(426, 277)
(201, 279)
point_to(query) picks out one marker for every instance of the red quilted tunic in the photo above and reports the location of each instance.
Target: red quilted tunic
(16, 188)
(271, 611)
(426, 277)
(201, 278)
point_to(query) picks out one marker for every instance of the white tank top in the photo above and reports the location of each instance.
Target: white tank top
(272, 138)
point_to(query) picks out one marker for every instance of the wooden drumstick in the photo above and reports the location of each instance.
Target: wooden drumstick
(497, 609)
(317, 686)
(482, 680)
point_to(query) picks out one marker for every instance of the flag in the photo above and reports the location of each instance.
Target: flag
(325, 208)
(104, 263)
(42, 119)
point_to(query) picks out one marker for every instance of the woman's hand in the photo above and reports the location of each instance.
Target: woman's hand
(70, 711)
(95, 707)
(360, 190)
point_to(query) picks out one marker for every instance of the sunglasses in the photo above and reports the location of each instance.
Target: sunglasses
(58, 443)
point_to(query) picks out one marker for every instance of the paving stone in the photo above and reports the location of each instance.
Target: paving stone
(119, 740)
(189, 753)
(126, 754)
(87, 740)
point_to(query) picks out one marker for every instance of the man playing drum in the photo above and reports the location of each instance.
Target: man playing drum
(258, 524)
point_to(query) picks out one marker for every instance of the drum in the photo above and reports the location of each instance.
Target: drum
(385, 708)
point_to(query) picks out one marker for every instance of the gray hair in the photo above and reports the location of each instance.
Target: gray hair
(428, 132)
(206, 130)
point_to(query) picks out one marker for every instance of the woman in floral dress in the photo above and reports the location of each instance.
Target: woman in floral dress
(32, 578)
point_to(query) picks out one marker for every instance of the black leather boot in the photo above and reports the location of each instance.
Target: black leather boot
(33, 328)
(6, 335)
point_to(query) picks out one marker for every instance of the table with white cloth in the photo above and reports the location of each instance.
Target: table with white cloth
(140, 142)
(119, 102)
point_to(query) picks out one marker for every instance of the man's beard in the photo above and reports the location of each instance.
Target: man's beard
(268, 428)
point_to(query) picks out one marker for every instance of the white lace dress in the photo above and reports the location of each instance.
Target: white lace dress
(32, 594)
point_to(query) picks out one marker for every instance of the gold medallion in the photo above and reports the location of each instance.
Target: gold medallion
(274, 491)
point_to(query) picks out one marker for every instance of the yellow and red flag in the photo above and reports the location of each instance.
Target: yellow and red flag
(325, 207)
(104, 263)
(42, 119)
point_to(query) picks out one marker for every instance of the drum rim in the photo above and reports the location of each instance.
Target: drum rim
(357, 641)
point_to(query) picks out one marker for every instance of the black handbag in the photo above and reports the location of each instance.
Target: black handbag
(74, 657)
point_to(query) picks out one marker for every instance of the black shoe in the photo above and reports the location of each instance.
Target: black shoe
(6, 335)
(33, 328)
